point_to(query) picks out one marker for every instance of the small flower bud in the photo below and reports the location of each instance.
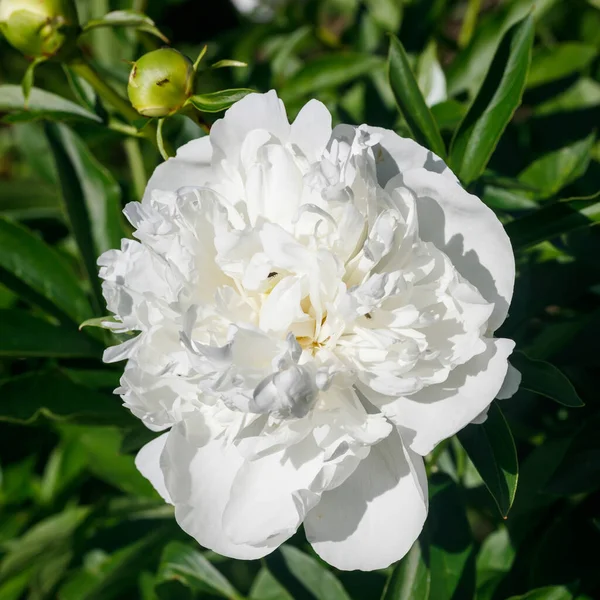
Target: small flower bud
(160, 82)
(39, 28)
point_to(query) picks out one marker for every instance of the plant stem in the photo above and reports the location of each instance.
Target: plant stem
(104, 90)
(136, 166)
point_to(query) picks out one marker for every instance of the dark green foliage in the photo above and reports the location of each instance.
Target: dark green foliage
(78, 521)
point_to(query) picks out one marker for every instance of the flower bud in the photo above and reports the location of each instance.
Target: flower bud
(39, 28)
(160, 82)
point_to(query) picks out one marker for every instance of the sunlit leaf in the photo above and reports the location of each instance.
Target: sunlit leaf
(218, 101)
(40, 105)
(32, 268)
(493, 107)
(410, 100)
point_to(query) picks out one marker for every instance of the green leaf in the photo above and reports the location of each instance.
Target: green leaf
(92, 199)
(101, 447)
(316, 578)
(448, 114)
(101, 322)
(556, 62)
(218, 101)
(440, 564)
(554, 171)
(410, 579)
(30, 267)
(51, 394)
(494, 561)
(42, 542)
(65, 464)
(494, 105)
(185, 564)
(329, 71)
(40, 105)
(546, 593)
(266, 587)
(507, 200)
(26, 335)
(468, 70)
(227, 62)
(579, 470)
(410, 100)
(545, 379)
(491, 448)
(584, 94)
(553, 221)
(126, 18)
(106, 580)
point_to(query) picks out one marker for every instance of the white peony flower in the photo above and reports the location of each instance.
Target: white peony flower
(316, 311)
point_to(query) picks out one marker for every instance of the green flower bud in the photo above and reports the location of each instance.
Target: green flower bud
(160, 82)
(39, 28)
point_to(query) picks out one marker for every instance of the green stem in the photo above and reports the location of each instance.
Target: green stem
(104, 90)
(469, 22)
(136, 166)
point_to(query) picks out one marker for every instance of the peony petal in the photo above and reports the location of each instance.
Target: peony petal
(374, 517)
(469, 232)
(147, 463)
(509, 388)
(199, 480)
(312, 129)
(190, 167)
(439, 411)
(254, 111)
(271, 495)
(395, 155)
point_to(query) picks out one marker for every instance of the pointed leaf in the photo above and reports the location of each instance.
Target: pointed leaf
(51, 394)
(553, 221)
(546, 593)
(27, 82)
(92, 199)
(35, 270)
(494, 105)
(545, 379)
(266, 587)
(126, 18)
(411, 578)
(410, 100)
(40, 105)
(491, 448)
(329, 71)
(227, 62)
(218, 101)
(185, 564)
(549, 64)
(316, 578)
(25, 335)
(554, 171)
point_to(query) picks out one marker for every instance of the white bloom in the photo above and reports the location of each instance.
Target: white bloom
(316, 311)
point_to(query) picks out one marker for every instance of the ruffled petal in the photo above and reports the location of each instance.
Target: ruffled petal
(199, 480)
(469, 233)
(190, 167)
(439, 411)
(374, 517)
(312, 129)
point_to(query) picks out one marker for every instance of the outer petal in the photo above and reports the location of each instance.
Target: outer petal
(254, 111)
(374, 517)
(509, 388)
(463, 227)
(199, 481)
(439, 411)
(147, 462)
(312, 129)
(271, 495)
(189, 167)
